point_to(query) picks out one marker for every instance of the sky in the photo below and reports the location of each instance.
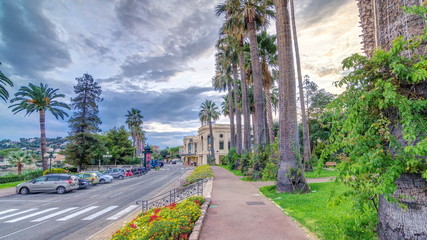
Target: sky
(154, 55)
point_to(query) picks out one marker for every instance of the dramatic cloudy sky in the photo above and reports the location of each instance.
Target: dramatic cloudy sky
(154, 55)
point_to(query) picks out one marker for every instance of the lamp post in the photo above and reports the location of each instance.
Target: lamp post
(106, 157)
(50, 161)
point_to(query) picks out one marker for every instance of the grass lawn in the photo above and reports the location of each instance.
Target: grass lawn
(323, 173)
(11, 184)
(235, 172)
(327, 222)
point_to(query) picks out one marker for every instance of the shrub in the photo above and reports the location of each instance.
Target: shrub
(22, 177)
(200, 172)
(55, 170)
(175, 221)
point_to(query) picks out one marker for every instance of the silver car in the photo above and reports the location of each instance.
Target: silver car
(119, 173)
(60, 183)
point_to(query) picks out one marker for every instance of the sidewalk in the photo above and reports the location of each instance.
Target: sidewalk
(239, 212)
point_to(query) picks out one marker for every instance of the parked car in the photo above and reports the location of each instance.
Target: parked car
(90, 176)
(173, 162)
(129, 173)
(103, 178)
(116, 172)
(83, 183)
(138, 171)
(60, 183)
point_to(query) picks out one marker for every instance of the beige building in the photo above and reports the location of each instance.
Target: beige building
(196, 149)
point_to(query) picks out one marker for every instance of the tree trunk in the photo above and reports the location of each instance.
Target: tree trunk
(212, 142)
(19, 168)
(231, 115)
(259, 133)
(408, 223)
(238, 111)
(290, 177)
(269, 116)
(245, 106)
(305, 130)
(43, 138)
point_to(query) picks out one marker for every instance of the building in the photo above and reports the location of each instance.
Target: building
(196, 149)
(384, 20)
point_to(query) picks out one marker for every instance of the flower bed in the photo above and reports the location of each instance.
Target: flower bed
(200, 172)
(174, 222)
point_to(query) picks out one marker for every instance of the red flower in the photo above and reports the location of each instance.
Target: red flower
(132, 226)
(172, 205)
(184, 236)
(157, 210)
(197, 202)
(153, 218)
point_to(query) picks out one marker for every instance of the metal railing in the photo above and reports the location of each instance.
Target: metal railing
(174, 195)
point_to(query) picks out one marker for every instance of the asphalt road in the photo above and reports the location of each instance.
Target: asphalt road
(81, 213)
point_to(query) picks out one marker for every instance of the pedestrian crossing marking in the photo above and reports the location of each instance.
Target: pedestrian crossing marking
(6, 211)
(123, 212)
(77, 213)
(53, 214)
(18, 213)
(31, 215)
(99, 213)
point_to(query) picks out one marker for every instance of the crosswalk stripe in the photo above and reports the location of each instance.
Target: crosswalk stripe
(9, 210)
(31, 215)
(18, 213)
(99, 213)
(53, 215)
(77, 213)
(123, 212)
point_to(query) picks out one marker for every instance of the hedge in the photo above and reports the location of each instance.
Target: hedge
(200, 172)
(55, 170)
(22, 177)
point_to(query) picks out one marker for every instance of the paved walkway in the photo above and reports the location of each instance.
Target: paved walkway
(239, 212)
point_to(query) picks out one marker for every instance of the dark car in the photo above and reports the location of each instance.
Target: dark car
(83, 183)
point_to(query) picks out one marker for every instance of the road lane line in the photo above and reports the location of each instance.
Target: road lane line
(99, 213)
(53, 215)
(18, 213)
(31, 215)
(35, 225)
(116, 194)
(77, 213)
(10, 210)
(123, 212)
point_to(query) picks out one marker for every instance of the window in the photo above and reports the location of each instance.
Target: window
(195, 148)
(221, 135)
(221, 145)
(229, 144)
(52, 178)
(41, 179)
(63, 178)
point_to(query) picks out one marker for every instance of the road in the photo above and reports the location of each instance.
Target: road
(81, 213)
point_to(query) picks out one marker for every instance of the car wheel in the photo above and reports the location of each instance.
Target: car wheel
(121, 177)
(24, 191)
(102, 181)
(60, 190)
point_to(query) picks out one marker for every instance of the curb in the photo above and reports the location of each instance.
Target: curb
(195, 234)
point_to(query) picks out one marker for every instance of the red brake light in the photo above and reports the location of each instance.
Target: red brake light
(93, 179)
(69, 181)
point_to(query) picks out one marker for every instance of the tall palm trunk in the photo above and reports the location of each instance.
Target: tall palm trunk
(42, 115)
(269, 115)
(305, 129)
(290, 178)
(238, 111)
(245, 105)
(231, 114)
(259, 133)
(212, 158)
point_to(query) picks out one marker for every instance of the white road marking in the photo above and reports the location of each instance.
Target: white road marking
(116, 194)
(53, 215)
(35, 225)
(6, 211)
(99, 213)
(123, 212)
(77, 213)
(18, 213)
(31, 215)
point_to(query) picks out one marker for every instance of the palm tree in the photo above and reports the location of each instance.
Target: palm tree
(134, 122)
(305, 128)
(19, 158)
(268, 52)
(4, 94)
(290, 177)
(209, 112)
(39, 99)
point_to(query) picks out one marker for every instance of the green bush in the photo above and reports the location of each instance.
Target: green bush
(55, 170)
(200, 172)
(175, 221)
(22, 177)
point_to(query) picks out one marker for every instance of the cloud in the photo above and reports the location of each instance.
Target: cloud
(310, 12)
(29, 40)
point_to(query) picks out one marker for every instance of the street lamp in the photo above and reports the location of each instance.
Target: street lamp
(106, 157)
(50, 156)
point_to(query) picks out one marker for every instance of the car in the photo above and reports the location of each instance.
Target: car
(129, 173)
(60, 183)
(138, 171)
(173, 162)
(83, 183)
(90, 176)
(116, 172)
(103, 178)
